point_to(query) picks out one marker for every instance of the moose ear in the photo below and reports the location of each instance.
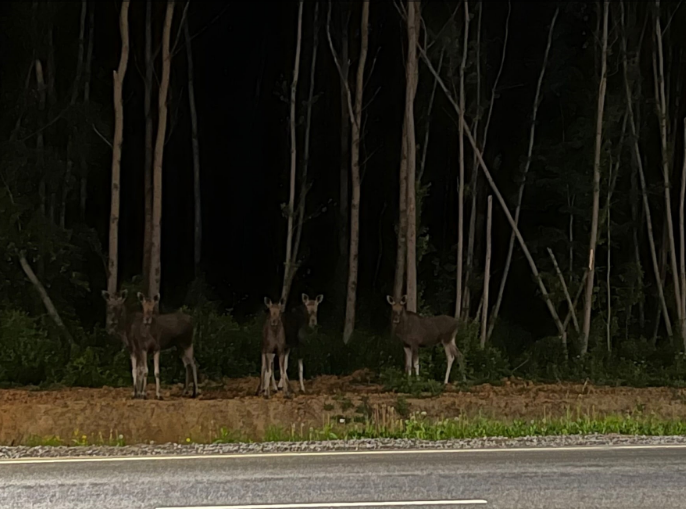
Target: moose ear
(390, 300)
(305, 298)
(403, 301)
(124, 294)
(319, 299)
(267, 301)
(106, 295)
(140, 296)
(156, 298)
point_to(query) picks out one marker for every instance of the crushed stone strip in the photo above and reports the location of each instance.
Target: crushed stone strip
(334, 445)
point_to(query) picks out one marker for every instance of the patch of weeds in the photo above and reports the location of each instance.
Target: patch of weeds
(49, 441)
(402, 407)
(396, 381)
(229, 436)
(346, 404)
(328, 407)
(364, 409)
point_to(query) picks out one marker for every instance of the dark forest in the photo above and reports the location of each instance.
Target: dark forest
(518, 166)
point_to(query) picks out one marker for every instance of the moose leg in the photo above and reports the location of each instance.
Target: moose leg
(300, 375)
(142, 374)
(273, 379)
(188, 360)
(415, 360)
(134, 367)
(285, 368)
(408, 361)
(268, 374)
(156, 367)
(262, 373)
(283, 381)
(451, 358)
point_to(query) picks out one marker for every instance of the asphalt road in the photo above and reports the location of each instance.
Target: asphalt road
(619, 477)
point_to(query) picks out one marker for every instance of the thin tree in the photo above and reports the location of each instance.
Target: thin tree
(532, 264)
(525, 171)
(460, 182)
(79, 60)
(682, 233)
(289, 263)
(662, 115)
(155, 276)
(639, 164)
(564, 289)
(588, 301)
(344, 170)
(487, 273)
(197, 198)
(119, 75)
(412, 76)
(400, 272)
(147, 169)
(355, 113)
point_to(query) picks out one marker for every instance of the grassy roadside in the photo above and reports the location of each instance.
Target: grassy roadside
(419, 427)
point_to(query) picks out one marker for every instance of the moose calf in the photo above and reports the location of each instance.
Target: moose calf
(298, 324)
(421, 331)
(273, 344)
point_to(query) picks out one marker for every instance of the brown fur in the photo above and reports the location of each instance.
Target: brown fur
(273, 344)
(416, 332)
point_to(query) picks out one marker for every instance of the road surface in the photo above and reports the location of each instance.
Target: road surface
(618, 477)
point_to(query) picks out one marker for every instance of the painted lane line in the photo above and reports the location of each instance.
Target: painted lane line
(390, 452)
(320, 505)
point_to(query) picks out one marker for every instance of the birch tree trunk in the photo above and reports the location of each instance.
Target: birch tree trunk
(147, 169)
(588, 301)
(304, 186)
(344, 171)
(487, 273)
(639, 164)
(79, 60)
(662, 114)
(289, 263)
(460, 183)
(411, 70)
(155, 277)
(356, 126)
(682, 241)
(119, 74)
(525, 171)
(197, 198)
(399, 286)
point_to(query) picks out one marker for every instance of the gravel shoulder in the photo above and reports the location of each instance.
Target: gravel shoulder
(338, 445)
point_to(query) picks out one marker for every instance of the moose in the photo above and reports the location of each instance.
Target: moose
(149, 332)
(298, 324)
(273, 344)
(415, 332)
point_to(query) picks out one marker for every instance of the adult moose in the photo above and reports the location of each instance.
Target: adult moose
(149, 332)
(273, 344)
(299, 323)
(416, 331)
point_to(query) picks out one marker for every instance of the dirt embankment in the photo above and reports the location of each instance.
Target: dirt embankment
(109, 413)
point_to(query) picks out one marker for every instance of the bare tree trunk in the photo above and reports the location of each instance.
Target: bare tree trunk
(682, 242)
(608, 325)
(344, 171)
(355, 174)
(474, 180)
(304, 186)
(289, 263)
(83, 192)
(398, 288)
(79, 61)
(413, 25)
(639, 164)
(47, 302)
(501, 200)
(662, 112)
(460, 183)
(155, 277)
(525, 171)
(564, 289)
(147, 170)
(487, 272)
(197, 251)
(119, 75)
(588, 302)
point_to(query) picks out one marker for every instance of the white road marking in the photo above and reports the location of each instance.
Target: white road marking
(339, 504)
(238, 456)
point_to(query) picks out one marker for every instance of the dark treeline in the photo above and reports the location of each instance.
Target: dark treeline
(349, 149)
